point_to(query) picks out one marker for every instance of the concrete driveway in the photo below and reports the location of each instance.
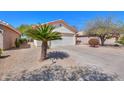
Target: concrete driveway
(108, 59)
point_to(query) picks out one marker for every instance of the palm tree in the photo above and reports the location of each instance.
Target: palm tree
(43, 33)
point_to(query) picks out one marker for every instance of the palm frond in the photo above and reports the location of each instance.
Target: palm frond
(43, 33)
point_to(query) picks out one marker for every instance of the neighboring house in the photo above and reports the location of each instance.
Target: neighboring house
(8, 35)
(68, 34)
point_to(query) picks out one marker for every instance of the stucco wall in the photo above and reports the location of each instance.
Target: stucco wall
(1, 40)
(84, 40)
(1, 37)
(9, 38)
(63, 29)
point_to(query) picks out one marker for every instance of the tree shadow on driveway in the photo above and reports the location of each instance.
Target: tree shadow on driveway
(58, 55)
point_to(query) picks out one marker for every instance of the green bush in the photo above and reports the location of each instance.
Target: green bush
(17, 43)
(93, 42)
(22, 40)
(121, 40)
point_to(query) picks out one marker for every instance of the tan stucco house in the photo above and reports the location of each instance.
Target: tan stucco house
(8, 35)
(68, 34)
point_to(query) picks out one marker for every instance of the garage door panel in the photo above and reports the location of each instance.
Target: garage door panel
(64, 42)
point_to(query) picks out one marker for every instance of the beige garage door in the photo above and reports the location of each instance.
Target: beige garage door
(66, 40)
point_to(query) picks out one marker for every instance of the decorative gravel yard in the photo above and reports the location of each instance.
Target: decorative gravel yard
(24, 62)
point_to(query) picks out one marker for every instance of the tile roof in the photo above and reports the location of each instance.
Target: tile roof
(60, 22)
(3, 23)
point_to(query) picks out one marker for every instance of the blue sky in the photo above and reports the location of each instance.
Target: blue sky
(74, 18)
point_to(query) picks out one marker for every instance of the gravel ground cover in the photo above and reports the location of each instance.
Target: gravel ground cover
(59, 73)
(109, 59)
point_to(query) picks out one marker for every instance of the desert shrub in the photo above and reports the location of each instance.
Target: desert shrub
(22, 40)
(1, 51)
(93, 42)
(17, 43)
(121, 40)
(59, 73)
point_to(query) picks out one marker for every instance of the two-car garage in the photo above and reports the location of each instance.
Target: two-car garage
(66, 40)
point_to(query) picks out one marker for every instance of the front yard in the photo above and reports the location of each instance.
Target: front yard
(106, 59)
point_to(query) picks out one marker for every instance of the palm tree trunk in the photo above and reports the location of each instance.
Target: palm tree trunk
(43, 50)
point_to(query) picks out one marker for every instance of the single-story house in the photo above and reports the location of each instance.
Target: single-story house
(8, 35)
(68, 34)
